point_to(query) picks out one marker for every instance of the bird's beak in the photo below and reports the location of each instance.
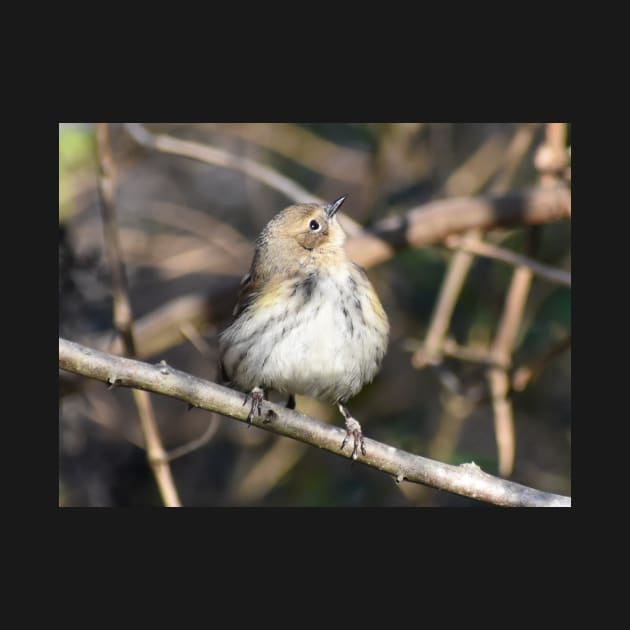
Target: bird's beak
(332, 208)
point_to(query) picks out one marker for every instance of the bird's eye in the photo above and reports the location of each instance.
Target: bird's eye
(313, 225)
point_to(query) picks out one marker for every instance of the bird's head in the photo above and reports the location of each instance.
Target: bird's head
(307, 228)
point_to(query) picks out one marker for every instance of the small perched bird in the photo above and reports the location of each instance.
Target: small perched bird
(307, 320)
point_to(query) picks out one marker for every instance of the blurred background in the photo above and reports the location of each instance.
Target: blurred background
(187, 228)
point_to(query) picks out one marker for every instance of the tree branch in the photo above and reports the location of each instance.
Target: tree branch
(526, 373)
(304, 147)
(488, 250)
(458, 268)
(462, 260)
(467, 480)
(420, 226)
(434, 221)
(501, 350)
(219, 157)
(123, 317)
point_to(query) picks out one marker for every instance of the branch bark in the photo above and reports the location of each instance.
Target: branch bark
(305, 147)
(123, 317)
(211, 155)
(467, 480)
(465, 245)
(488, 250)
(459, 266)
(420, 226)
(219, 157)
(434, 221)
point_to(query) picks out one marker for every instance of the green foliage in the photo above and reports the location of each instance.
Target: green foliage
(77, 152)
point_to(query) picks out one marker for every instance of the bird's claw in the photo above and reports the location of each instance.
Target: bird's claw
(257, 395)
(353, 428)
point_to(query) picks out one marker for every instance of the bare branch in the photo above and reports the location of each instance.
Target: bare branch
(192, 334)
(107, 188)
(550, 160)
(468, 179)
(552, 156)
(269, 470)
(467, 353)
(501, 354)
(420, 226)
(460, 264)
(219, 157)
(514, 157)
(488, 250)
(197, 443)
(434, 221)
(467, 480)
(123, 317)
(305, 147)
(523, 376)
(162, 328)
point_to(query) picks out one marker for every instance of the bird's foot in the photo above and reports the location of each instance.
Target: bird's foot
(257, 395)
(353, 429)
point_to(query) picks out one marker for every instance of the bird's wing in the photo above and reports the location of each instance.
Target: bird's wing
(247, 291)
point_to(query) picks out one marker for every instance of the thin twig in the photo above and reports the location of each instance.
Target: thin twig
(514, 156)
(197, 443)
(471, 176)
(551, 160)
(305, 147)
(192, 334)
(267, 471)
(467, 179)
(123, 317)
(498, 379)
(501, 353)
(525, 374)
(202, 346)
(104, 414)
(550, 163)
(161, 329)
(212, 231)
(466, 480)
(459, 266)
(467, 353)
(436, 220)
(219, 157)
(123, 320)
(419, 226)
(488, 250)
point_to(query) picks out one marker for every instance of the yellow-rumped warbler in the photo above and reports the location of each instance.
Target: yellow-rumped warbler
(307, 320)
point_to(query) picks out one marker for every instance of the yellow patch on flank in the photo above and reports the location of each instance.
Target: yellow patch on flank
(271, 296)
(375, 303)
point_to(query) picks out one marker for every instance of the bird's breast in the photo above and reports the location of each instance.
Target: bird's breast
(321, 334)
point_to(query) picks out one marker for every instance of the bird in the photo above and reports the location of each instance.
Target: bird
(307, 319)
